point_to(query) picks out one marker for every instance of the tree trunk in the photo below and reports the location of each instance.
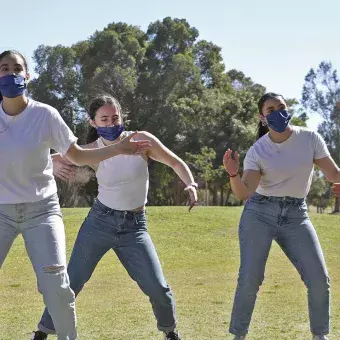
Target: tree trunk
(228, 196)
(206, 193)
(222, 197)
(214, 202)
(337, 205)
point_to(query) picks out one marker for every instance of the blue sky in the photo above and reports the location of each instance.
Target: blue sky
(274, 43)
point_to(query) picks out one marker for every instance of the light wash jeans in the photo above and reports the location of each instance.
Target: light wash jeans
(126, 234)
(42, 228)
(286, 221)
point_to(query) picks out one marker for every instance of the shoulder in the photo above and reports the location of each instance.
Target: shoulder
(259, 144)
(144, 135)
(303, 131)
(43, 108)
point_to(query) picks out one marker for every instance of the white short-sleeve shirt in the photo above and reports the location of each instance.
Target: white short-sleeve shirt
(286, 168)
(26, 171)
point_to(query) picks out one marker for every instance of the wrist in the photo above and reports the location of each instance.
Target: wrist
(233, 175)
(192, 184)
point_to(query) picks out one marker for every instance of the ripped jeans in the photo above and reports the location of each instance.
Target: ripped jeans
(42, 228)
(125, 233)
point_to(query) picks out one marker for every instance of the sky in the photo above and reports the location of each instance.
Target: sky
(273, 42)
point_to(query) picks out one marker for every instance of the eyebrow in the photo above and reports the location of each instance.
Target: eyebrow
(106, 116)
(7, 65)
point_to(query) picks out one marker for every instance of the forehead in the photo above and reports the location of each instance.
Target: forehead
(273, 102)
(12, 59)
(107, 110)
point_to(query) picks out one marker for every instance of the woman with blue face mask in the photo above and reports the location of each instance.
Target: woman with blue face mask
(117, 219)
(29, 203)
(276, 179)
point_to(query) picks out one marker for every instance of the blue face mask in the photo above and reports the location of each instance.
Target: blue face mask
(110, 132)
(12, 85)
(278, 120)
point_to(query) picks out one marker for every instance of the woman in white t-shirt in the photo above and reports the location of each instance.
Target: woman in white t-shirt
(29, 203)
(117, 219)
(277, 176)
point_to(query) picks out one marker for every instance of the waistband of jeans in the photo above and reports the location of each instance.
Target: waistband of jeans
(286, 199)
(109, 211)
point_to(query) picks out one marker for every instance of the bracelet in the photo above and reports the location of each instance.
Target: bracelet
(193, 184)
(232, 176)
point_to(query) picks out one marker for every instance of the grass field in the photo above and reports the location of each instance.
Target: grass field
(200, 257)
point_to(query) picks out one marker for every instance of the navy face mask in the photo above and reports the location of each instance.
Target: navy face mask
(278, 120)
(110, 132)
(12, 85)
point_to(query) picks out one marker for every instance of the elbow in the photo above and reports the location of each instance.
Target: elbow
(242, 197)
(333, 177)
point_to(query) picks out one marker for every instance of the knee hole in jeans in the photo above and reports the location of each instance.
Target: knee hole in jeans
(54, 269)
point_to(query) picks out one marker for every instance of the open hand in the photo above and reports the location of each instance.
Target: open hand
(231, 162)
(193, 196)
(63, 168)
(127, 146)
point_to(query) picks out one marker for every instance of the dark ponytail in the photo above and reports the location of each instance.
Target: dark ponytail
(95, 105)
(263, 130)
(92, 135)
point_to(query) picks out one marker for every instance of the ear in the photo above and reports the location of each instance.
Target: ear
(93, 123)
(262, 118)
(28, 77)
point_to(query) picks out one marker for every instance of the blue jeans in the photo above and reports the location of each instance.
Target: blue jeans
(126, 233)
(286, 221)
(42, 228)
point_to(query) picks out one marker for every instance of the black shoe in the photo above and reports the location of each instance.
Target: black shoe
(39, 335)
(172, 336)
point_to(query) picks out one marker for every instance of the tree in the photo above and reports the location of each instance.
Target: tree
(321, 94)
(320, 192)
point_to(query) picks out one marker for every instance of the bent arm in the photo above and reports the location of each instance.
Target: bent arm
(329, 169)
(244, 187)
(162, 154)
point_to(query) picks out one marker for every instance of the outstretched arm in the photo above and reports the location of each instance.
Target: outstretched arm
(80, 156)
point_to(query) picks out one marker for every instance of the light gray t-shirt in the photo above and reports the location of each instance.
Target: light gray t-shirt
(26, 171)
(286, 168)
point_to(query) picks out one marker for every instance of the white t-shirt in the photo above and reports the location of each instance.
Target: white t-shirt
(123, 181)
(26, 172)
(286, 168)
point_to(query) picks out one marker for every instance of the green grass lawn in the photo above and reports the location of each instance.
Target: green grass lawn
(200, 257)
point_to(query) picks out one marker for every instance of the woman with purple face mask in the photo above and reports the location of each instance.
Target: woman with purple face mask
(29, 204)
(276, 179)
(117, 219)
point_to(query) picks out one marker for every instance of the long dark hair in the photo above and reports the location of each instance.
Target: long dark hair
(13, 52)
(263, 129)
(95, 105)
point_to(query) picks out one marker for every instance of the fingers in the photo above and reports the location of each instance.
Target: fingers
(192, 205)
(129, 137)
(67, 174)
(193, 197)
(62, 177)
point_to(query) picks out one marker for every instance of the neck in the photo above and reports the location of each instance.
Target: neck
(14, 106)
(280, 137)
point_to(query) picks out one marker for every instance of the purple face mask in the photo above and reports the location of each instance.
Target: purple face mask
(12, 85)
(278, 120)
(110, 132)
